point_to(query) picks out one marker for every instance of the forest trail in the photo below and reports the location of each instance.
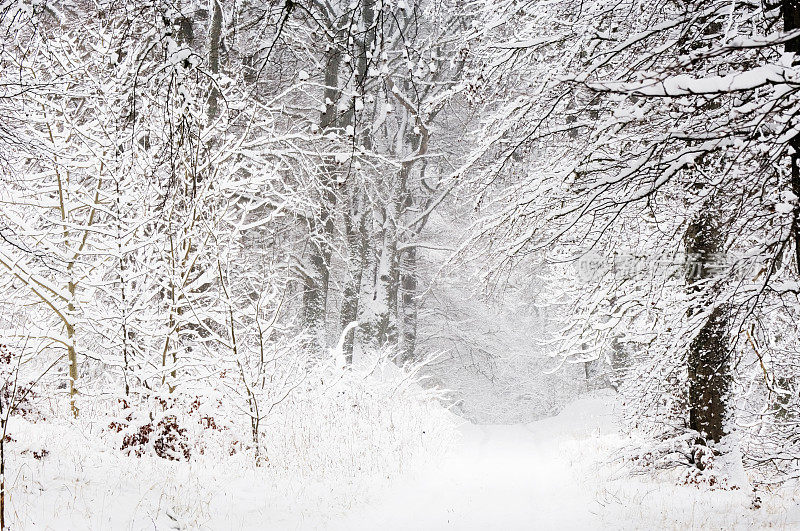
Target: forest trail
(500, 477)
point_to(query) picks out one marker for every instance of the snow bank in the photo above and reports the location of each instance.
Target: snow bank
(627, 496)
(571, 471)
(324, 447)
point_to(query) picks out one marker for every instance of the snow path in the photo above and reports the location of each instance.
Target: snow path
(500, 477)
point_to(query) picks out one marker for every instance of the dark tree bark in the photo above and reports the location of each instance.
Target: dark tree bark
(795, 145)
(708, 377)
(709, 352)
(790, 10)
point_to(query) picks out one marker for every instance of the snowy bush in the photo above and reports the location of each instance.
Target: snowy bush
(183, 457)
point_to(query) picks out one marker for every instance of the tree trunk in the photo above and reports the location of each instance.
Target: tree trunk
(355, 216)
(72, 354)
(315, 289)
(709, 352)
(214, 36)
(790, 10)
(409, 309)
(384, 315)
(356, 230)
(795, 145)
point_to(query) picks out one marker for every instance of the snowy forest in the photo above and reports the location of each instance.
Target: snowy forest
(400, 264)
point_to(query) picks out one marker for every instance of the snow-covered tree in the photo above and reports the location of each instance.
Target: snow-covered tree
(659, 136)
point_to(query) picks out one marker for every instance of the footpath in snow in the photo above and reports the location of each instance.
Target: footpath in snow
(501, 477)
(559, 473)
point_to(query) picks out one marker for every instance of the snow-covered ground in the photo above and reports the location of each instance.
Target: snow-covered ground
(563, 472)
(501, 477)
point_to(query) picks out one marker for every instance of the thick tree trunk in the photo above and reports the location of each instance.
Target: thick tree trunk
(384, 314)
(709, 352)
(315, 289)
(356, 230)
(355, 216)
(795, 144)
(384, 322)
(214, 36)
(790, 10)
(408, 307)
(708, 377)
